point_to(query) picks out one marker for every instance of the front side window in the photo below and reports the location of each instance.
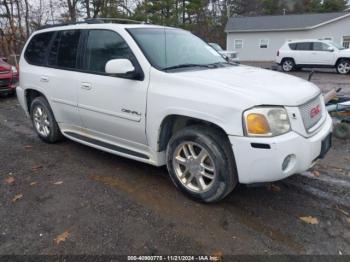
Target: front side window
(167, 48)
(307, 46)
(102, 46)
(64, 49)
(37, 48)
(319, 46)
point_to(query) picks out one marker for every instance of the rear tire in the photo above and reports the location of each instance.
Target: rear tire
(44, 121)
(343, 67)
(201, 164)
(288, 65)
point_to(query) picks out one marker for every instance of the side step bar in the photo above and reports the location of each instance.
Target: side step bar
(106, 145)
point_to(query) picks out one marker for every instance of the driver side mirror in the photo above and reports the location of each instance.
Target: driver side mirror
(330, 49)
(120, 67)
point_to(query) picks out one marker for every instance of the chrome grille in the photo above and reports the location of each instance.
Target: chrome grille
(308, 112)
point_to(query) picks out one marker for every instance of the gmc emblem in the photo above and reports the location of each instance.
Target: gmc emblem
(315, 111)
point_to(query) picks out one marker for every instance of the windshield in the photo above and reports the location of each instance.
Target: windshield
(174, 48)
(215, 46)
(338, 46)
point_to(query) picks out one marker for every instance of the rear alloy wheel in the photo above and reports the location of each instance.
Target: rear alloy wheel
(201, 164)
(44, 121)
(343, 67)
(288, 65)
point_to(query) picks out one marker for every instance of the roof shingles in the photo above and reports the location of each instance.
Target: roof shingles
(280, 22)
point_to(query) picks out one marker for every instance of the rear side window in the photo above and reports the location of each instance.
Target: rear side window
(293, 46)
(64, 49)
(37, 48)
(102, 46)
(307, 46)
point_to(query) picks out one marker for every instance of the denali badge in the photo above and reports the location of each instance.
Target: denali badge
(315, 111)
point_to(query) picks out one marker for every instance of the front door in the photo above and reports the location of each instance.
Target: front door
(112, 109)
(323, 54)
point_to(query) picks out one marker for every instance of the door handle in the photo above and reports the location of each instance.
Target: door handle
(44, 79)
(86, 86)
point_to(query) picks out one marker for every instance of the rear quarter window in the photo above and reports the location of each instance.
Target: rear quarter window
(37, 48)
(293, 46)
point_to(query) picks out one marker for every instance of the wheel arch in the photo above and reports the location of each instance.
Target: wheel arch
(174, 122)
(341, 58)
(30, 94)
(285, 58)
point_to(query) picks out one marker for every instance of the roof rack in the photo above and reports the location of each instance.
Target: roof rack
(114, 20)
(99, 20)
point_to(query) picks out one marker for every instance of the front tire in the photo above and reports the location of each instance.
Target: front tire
(44, 121)
(342, 130)
(201, 163)
(343, 67)
(288, 65)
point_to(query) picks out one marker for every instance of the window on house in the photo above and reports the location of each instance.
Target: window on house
(238, 44)
(346, 42)
(264, 43)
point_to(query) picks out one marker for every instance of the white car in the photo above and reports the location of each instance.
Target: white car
(314, 54)
(231, 56)
(163, 96)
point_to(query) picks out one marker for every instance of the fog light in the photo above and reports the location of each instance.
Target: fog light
(287, 161)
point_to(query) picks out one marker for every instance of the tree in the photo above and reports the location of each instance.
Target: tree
(334, 5)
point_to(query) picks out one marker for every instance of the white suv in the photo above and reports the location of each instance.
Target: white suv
(315, 54)
(162, 96)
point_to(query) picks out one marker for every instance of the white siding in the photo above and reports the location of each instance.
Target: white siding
(251, 50)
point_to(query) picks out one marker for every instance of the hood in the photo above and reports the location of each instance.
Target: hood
(345, 51)
(256, 85)
(4, 66)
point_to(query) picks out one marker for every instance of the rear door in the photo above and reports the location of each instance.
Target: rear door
(63, 78)
(304, 54)
(112, 108)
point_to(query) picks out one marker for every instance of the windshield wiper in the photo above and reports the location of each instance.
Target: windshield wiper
(189, 65)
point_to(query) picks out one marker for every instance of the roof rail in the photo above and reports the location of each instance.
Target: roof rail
(113, 20)
(99, 20)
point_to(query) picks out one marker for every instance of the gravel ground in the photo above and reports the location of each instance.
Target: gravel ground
(72, 199)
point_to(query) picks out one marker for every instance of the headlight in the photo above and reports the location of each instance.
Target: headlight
(14, 69)
(266, 121)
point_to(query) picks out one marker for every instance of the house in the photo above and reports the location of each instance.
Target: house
(258, 38)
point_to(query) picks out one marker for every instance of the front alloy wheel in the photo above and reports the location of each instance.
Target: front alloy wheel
(343, 67)
(194, 167)
(201, 163)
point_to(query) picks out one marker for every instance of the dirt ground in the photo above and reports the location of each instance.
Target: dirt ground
(71, 199)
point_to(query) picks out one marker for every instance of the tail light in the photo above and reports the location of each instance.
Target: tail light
(278, 53)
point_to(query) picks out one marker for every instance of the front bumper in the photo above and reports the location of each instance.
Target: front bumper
(255, 165)
(8, 89)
